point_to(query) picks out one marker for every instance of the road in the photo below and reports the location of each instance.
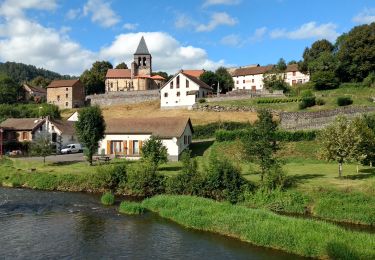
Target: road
(75, 157)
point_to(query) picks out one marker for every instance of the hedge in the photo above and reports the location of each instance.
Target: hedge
(285, 136)
(208, 130)
(277, 100)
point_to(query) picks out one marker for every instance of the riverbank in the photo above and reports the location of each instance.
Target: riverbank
(263, 228)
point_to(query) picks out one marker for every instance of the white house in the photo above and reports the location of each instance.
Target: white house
(62, 132)
(125, 136)
(182, 91)
(73, 117)
(251, 78)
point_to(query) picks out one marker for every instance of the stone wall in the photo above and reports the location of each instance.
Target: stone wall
(123, 98)
(319, 119)
(245, 94)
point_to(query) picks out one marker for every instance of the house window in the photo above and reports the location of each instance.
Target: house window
(185, 139)
(66, 104)
(54, 137)
(178, 82)
(187, 84)
(117, 147)
(67, 89)
(178, 93)
(243, 81)
(136, 147)
(189, 139)
(25, 135)
(171, 85)
(237, 82)
(58, 98)
(53, 128)
(294, 73)
(165, 94)
(66, 95)
(252, 80)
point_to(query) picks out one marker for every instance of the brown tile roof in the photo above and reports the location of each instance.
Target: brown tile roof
(252, 70)
(194, 73)
(66, 127)
(158, 77)
(164, 127)
(64, 83)
(22, 124)
(119, 73)
(197, 81)
(35, 89)
(292, 68)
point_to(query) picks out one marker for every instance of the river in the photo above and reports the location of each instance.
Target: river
(40, 225)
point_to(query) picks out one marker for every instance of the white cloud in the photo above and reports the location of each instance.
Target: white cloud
(11, 9)
(233, 40)
(367, 16)
(183, 21)
(258, 35)
(167, 53)
(220, 2)
(217, 19)
(307, 31)
(73, 13)
(101, 12)
(130, 26)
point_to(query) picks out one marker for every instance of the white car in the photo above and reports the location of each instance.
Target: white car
(72, 148)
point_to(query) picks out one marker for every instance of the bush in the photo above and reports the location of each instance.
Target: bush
(324, 80)
(277, 100)
(307, 102)
(320, 102)
(202, 100)
(344, 101)
(107, 199)
(114, 176)
(208, 130)
(131, 208)
(143, 180)
(369, 81)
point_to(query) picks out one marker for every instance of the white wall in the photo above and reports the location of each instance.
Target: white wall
(298, 77)
(183, 100)
(73, 117)
(248, 81)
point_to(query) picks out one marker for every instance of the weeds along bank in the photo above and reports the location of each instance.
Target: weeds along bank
(299, 236)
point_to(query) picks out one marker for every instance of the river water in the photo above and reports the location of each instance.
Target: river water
(51, 225)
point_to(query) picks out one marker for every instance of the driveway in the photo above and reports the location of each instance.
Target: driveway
(75, 157)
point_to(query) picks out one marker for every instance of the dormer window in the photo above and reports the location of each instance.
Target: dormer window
(171, 85)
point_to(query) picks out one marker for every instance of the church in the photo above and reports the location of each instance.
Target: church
(139, 77)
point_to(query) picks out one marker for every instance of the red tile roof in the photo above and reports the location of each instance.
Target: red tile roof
(64, 83)
(158, 77)
(252, 70)
(292, 68)
(119, 73)
(194, 73)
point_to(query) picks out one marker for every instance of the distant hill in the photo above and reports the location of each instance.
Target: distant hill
(20, 72)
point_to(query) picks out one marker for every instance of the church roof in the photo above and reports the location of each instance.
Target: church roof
(118, 73)
(142, 48)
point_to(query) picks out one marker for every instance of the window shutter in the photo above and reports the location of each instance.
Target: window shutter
(140, 146)
(108, 147)
(130, 147)
(125, 146)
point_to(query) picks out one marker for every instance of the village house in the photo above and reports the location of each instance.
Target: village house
(36, 94)
(61, 132)
(139, 77)
(183, 90)
(125, 137)
(21, 129)
(251, 77)
(66, 93)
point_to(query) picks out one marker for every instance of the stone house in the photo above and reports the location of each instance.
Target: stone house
(139, 77)
(66, 93)
(37, 94)
(182, 91)
(21, 129)
(125, 136)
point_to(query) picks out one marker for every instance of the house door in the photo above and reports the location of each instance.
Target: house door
(253, 88)
(116, 147)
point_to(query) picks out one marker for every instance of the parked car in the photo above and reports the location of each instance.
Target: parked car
(72, 148)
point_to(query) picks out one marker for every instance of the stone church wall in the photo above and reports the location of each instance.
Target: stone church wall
(123, 98)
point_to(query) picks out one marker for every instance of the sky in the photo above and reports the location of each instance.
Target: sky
(67, 36)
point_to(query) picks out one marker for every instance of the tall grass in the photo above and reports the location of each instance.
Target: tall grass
(299, 236)
(131, 208)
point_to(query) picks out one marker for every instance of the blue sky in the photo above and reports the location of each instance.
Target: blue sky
(67, 36)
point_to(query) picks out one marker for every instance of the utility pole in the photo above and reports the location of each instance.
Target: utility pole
(1, 142)
(218, 89)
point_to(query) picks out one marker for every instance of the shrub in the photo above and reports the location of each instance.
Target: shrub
(344, 101)
(112, 176)
(202, 100)
(369, 81)
(308, 101)
(131, 208)
(276, 100)
(320, 102)
(323, 80)
(154, 151)
(107, 199)
(208, 130)
(143, 180)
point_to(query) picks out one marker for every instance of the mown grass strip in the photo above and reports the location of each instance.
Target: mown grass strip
(263, 228)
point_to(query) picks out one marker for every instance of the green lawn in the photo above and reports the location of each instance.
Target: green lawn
(360, 95)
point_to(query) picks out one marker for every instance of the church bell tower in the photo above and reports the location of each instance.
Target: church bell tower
(142, 60)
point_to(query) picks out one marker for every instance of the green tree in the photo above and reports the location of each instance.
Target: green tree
(313, 53)
(209, 78)
(356, 53)
(41, 147)
(365, 126)
(9, 90)
(94, 78)
(274, 80)
(225, 79)
(40, 81)
(163, 74)
(122, 65)
(341, 142)
(281, 65)
(90, 129)
(261, 143)
(154, 151)
(323, 80)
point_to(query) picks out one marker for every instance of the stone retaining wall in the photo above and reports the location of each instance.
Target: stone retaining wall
(245, 94)
(319, 119)
(122, 98)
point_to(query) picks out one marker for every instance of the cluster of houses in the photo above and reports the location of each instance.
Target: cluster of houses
(125, 137)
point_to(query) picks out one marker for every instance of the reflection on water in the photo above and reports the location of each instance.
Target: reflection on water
(35, 224)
